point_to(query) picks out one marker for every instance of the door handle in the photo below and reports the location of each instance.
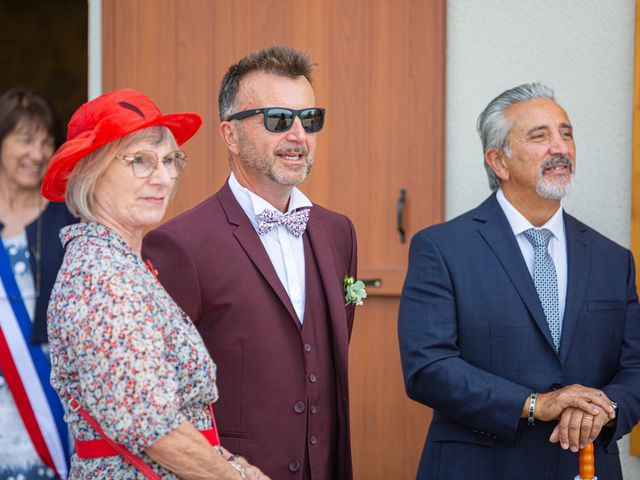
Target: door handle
(400, 214)
(372, 282)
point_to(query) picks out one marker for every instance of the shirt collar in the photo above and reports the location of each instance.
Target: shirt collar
(519, 223)
(254, 204)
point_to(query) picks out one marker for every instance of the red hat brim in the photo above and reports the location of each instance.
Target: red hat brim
(182, 125)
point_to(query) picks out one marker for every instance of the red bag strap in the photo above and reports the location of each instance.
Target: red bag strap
(134, 460)
(214, 427)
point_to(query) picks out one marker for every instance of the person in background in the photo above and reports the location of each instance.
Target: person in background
(260, 270)
(129, 365)
(518, 324)
(33, 437)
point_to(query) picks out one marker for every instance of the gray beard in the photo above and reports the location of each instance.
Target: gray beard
(551, 190)
(268, 167)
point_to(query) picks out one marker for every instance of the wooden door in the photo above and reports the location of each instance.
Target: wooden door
(634, 439)
(381, 78)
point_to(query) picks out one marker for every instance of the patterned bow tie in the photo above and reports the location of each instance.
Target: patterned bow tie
(296, 221)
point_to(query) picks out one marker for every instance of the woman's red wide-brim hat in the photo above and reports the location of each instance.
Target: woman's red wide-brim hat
(104, 119)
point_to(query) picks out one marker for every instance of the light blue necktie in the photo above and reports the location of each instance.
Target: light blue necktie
(545, 279)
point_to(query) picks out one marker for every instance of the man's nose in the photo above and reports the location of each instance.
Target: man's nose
(560, 145)
(297, 132)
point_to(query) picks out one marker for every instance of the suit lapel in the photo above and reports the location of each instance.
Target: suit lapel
(578, 266)
(331, 278)
(497, 232)
(250, 242)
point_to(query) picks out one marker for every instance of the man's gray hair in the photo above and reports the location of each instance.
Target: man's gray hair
(494, 127)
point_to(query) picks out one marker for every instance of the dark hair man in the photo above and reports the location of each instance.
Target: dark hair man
(259, 269)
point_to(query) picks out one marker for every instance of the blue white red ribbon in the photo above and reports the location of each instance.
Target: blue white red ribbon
(26, 371)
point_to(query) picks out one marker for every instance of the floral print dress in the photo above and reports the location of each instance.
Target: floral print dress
(125, 350)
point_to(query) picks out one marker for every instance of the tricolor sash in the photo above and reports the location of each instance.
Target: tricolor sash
(26, 371)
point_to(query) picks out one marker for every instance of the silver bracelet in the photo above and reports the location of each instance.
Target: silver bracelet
(238, 467)
(532, 408)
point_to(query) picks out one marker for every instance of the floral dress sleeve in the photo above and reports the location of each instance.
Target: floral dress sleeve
(124, 379)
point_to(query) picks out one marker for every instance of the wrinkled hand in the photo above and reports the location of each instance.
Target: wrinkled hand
(251, 472)
(577, 428)
(551, 405)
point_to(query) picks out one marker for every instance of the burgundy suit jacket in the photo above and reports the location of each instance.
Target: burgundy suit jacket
(214, 265)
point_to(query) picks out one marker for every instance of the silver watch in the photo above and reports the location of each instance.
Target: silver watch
(615, 409)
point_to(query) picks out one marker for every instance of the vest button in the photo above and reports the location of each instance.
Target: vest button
(299, 407)
(313, 378)
(307, 347)
(294, 466)
(314, 409)
(313, 440)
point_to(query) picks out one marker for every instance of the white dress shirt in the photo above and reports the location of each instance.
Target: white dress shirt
(285, 250)
(557, 244)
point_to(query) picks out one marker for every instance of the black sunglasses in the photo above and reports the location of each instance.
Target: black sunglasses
(277, 119)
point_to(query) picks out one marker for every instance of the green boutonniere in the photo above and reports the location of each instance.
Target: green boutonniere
(354, 291)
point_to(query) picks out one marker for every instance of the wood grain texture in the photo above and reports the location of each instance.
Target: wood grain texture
(634, 447)
(381, 77)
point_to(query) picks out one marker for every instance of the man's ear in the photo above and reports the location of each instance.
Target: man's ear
(497, 162)
(229, 134)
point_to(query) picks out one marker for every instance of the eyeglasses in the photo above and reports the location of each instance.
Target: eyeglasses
(144, 162)
(277, 119)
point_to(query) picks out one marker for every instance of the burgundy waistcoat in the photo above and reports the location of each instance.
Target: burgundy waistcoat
(322, 413)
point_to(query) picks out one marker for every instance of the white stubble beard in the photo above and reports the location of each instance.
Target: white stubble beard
(553, 190)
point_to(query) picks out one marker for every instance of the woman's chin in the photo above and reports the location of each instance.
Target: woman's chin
(150, 221)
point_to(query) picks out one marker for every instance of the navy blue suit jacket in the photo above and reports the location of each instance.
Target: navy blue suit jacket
(475, 343)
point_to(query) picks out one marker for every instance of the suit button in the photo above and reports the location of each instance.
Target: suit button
(299, 407)
(294, 466)
(556, 386)
(314, 409)
(313, 440)
(313, 378)
(307, 347)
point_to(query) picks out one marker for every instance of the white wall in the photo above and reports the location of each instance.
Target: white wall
(94, 41)
(583, 49)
